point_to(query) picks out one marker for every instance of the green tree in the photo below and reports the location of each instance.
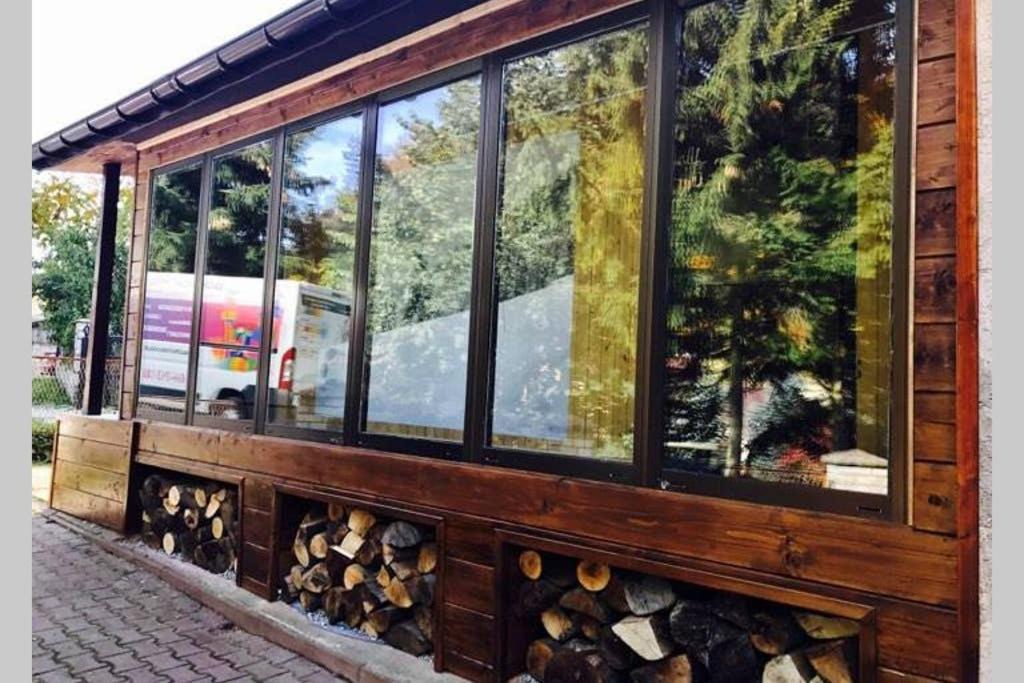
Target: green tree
(65, 227)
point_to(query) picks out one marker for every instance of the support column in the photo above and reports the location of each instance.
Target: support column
(102, 286)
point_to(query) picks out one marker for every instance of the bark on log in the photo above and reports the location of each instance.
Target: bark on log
(677, 669)
(648, 595)
(775, 632)
(401, 534)
(822, 627)
(317, 578)
(309, 601)
(408, 637)
(616, 653)
(342, 605)
(594, 576)
(788, 668)
(586, 603)
(830, 661)
(424, 617)
(733, 660)
(391, 554)
(383, 618)
(360, 521)
(368, 552)
(538, 655)
(568, 666)
(534, 597)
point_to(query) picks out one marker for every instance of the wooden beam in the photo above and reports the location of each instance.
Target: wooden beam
(102, 286)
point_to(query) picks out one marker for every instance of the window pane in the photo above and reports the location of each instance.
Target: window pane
(170, 289)
(421, 254)
(313, 292)
(230, 323)
(568, 249)
(779, 362)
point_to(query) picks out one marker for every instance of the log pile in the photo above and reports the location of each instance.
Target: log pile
(367, 572)
(596, 624)
(198, 519)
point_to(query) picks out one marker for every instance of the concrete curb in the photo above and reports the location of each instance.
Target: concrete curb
(357, 660)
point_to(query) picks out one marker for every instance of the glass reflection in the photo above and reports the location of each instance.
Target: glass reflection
(568, 249)
(778, 364)
(313, 292)
(230, 329)
(170, 289)
(421, 262)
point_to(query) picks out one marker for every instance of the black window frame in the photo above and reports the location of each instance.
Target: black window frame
(646, 469)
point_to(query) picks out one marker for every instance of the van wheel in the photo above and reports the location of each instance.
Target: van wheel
(234, 411)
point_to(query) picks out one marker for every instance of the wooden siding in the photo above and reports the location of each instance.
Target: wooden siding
(90, 469)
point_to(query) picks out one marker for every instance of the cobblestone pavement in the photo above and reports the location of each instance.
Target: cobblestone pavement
(96, 617)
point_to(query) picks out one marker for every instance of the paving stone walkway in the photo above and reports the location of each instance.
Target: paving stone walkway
(96, 617)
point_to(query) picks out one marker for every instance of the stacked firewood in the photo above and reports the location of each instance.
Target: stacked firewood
(198, 519)
(603, 625)
(370, 573)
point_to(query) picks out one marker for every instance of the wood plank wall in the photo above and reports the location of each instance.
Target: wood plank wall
(91, 463)
(922, 635)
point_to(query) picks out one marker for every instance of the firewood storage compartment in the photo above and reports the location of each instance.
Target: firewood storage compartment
(363, 565)
(570, 612)
(196, 518)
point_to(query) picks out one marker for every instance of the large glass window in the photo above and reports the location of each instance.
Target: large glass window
(421, 253)
(230, 324)
(315, 266)
(567, 262)
(170, 290)
(779, 354)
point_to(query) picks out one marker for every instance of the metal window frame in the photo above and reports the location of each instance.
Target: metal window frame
(484, 332)
(141, 411)
(356, 407)
(247, 426)
(647, 467)
(264, 425)
(893, 505)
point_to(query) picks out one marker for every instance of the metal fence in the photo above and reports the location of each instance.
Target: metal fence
(58, 385)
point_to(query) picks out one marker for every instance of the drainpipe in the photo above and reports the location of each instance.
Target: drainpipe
(102, 284)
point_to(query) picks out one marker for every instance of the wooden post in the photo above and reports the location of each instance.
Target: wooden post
(102, 285)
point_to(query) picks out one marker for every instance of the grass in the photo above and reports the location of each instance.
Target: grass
(48, 391)
(42, 440)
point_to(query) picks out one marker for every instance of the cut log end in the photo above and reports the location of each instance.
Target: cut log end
(531, 564)
(594, 576)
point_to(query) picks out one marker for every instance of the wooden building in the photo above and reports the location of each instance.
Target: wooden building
(684, 289)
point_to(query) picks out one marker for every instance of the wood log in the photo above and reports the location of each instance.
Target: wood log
(360, 521)
(558, 624)
(383, 577)
(216, 556)
(316, 579)
(397, 594)
(217, 528)
(648, 595)
(191, 518)
(646, 636)
(161, 521)
(169, 507)
(616, 653)
(318, 546)
(391, 554)
(221, 494)
(426, 558)
(342, 605)
(201, 497)
(788, 668)
(733, 660)
(309, 601)
(590, 628)
(369, 629)
(822, 627)
(580, 645)
(383, 618)
(350, 545)
(178, 495)
(533, 597)
(830, 661)
(401, 534)
(676, 669)
(228, 511)
(594, 576)
(335, 512)
(354, 575)
(775, 632)
(424, 617)
(186, 544)
(204, 534)
(569, 666)
(404, 570)
(697, 630)
(170, 542)
(733, 608)
(531, 565)
(586, 603)
(421, 588)
(155, 485)
(152, 540)
(335, 532)
(290, 593)
(407, 637)
(295, 574)
(369, 552)
(614, 594)
(373, 595)
(538, 654)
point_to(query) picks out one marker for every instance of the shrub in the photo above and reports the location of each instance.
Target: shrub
(48, 391)
(42, 440)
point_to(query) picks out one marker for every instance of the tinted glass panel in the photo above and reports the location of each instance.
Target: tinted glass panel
(230, 324)
(313, 292)
(421, 262)
(779, 351)
(170, 290)
(568, 247)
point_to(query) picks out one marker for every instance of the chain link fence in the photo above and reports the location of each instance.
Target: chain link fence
(58, 385)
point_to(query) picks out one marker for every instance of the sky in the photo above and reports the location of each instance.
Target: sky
(86, 54)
